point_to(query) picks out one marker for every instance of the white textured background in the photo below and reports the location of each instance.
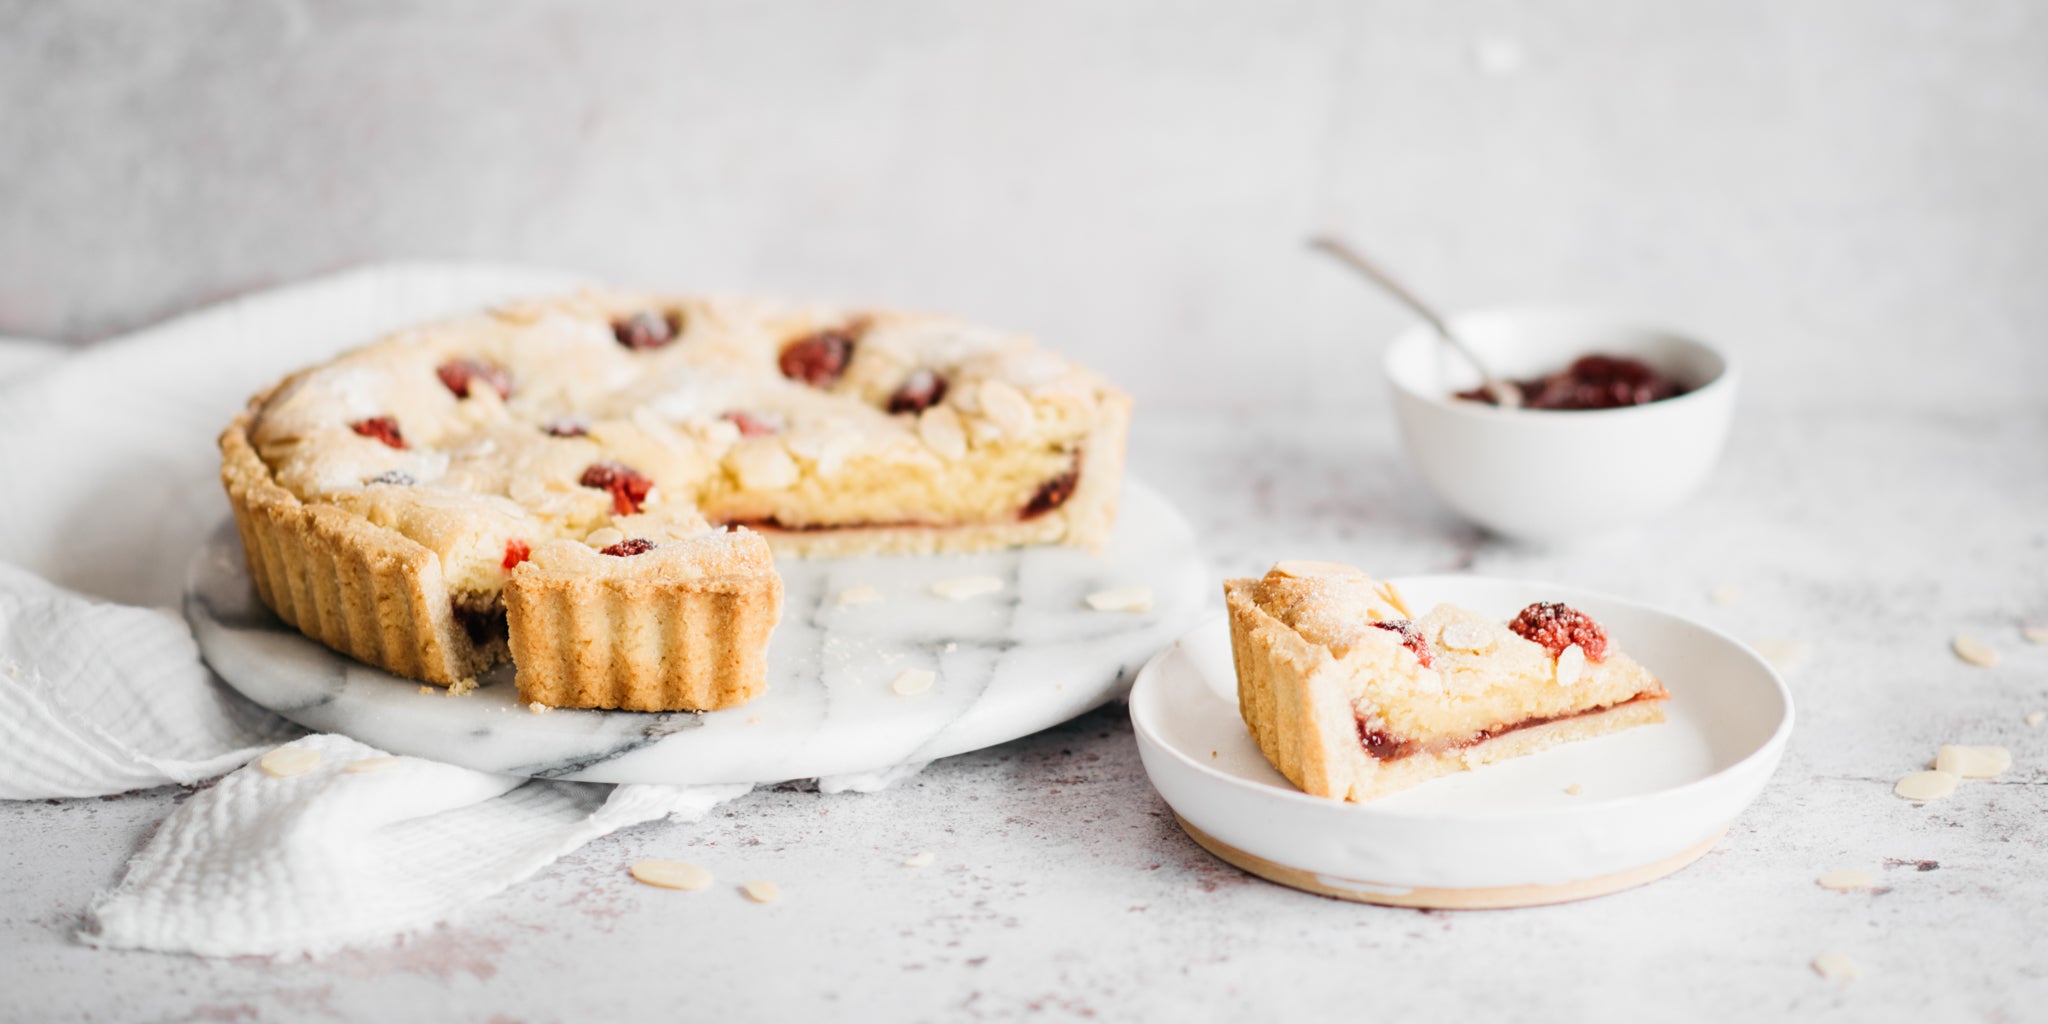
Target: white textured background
(1852, 194)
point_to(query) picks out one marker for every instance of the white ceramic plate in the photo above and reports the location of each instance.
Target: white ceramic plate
(1649, 799)
(1008, 664)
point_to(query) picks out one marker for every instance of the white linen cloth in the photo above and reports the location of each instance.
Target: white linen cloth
(108, 483)
(311, 862)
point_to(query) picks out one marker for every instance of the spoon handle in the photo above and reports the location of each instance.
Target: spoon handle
(1357, 261)
(1504, 394)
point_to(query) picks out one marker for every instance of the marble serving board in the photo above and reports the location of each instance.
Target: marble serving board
(1008, 664)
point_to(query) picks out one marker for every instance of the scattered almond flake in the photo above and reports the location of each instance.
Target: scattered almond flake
(1122, 599)
(914, 681)
(2036, 717)
(963, 587)
(538, 708)
(857, 596)
(603, 537)
(1836, 967)
(920, 859)
(366, 765)
(1469, 637)
(2035, 634)
(1574, 789)
(1974, 651)
(1973, 762)
(762, 891)
(1783, 655)
(285, 762)
(1571, 665)
(1928, 785)
(1846, 880)
(670, 874)
(462, 687)
(426, 689)
(1308, 569)
(1726, 597)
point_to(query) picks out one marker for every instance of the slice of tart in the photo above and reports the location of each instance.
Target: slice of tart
(1351, 696)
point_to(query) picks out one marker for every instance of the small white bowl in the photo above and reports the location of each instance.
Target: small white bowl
(1548, 475)
(1579, 820)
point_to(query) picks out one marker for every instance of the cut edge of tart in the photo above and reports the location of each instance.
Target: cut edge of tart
(680, 625)
(1351, 696)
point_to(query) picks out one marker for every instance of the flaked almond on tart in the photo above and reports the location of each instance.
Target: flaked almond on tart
(1351, 695)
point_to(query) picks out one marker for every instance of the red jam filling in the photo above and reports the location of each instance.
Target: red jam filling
(1592, 382)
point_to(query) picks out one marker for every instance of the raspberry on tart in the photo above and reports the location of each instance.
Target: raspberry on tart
(820, 431)
(459, 375)
(627, 486)
(1352, 696)
(1557, 626)
(920, 391)
(566, 426)
(647, 329)
(819, 359)
(752, 425)
(1411, 638)
(380, 428)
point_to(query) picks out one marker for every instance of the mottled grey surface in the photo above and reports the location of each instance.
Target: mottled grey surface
(1848, 191)
(1061, 888)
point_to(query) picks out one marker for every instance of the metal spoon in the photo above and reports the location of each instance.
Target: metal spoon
(1503, 391)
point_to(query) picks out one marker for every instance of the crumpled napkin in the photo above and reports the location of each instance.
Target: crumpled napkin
(99, 697)
(356, 847)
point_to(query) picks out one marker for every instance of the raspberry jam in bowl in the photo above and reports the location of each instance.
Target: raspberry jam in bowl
(1591, 382)
(1625, 421)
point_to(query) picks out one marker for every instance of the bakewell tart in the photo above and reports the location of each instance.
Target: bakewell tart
(1350, 695)
(593, 486)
